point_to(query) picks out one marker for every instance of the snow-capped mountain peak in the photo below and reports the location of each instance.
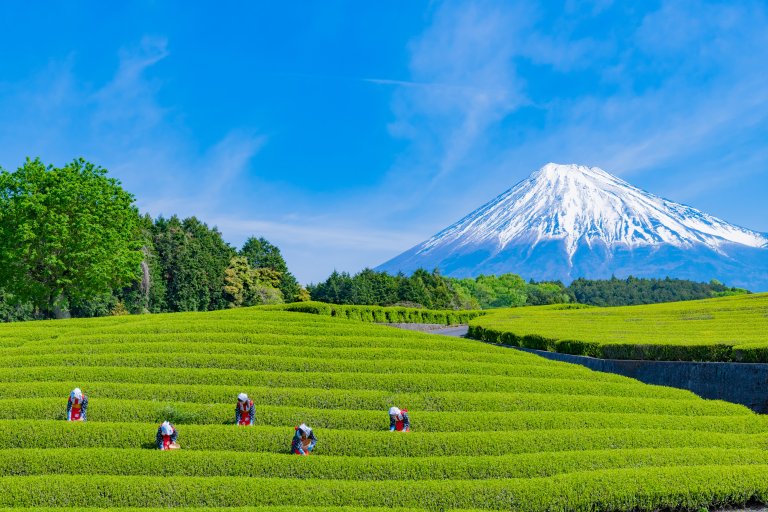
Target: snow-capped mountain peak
(569, 221)
(579, 204)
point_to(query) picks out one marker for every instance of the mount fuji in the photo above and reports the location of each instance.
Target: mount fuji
(570, 221)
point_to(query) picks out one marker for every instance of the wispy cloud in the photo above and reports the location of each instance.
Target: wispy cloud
(128, 101)
(470, 47)
(122, 125)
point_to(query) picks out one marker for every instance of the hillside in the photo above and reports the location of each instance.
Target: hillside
(721, 329)
(492, 428)
(569, 221)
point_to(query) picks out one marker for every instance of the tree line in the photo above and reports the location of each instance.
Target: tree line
(72, 243)
(634, 291)
(434, 291)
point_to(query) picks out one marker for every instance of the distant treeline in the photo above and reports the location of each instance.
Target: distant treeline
(434, 291)
(633, 290)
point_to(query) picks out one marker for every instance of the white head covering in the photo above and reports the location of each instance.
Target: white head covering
(305, 429)
(76, 394)
(242, 397)
(394, 411)
(166, 428)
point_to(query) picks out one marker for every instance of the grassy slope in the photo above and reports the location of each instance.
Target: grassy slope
(493, 428)
(725, 329)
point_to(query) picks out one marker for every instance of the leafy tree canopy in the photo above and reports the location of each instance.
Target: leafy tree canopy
(66, 234)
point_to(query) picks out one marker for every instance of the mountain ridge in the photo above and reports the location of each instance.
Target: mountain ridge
(569, 221)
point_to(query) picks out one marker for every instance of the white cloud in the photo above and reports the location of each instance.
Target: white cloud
(466, 56)
(128, 103)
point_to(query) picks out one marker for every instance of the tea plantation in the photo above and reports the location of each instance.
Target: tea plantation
(492, 428)
(723, 329)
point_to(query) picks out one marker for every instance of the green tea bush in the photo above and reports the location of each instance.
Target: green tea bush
(135, 462)
(382, 314)
(118, 410)
(52, 434)
(618, 489)
(491, 428)
(723, 329)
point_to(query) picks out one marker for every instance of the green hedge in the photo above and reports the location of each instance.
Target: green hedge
(59, 434)
(529, 378)
(649, 352)
(111, 410)
(715, 330)
(136, 462)
(303, 362)
(447, 401)
(382, 314)
(385, 385)
(244, 350)
(642, 489)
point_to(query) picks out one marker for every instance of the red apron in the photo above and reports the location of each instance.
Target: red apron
(400, 424)
(76, 413)
(167, 442)
(245, 417)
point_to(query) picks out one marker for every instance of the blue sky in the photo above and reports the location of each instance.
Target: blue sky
(346, 132)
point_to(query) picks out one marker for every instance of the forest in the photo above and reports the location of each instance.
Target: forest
(434, 291)
(72, 243)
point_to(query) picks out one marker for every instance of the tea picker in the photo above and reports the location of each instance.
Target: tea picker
(77, 406)
(166, 437)
(399, 420)
(304, 440)
(245, 413)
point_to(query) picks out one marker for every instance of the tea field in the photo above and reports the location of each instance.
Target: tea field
(492, 428)
(723, 329)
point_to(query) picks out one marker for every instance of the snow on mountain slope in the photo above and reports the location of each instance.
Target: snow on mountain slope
(577, 203)
(574, 214)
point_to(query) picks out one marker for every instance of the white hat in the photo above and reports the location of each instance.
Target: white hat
(242, 397)
(394, 411)
(166, 428)
(76, 394)
(305, 429)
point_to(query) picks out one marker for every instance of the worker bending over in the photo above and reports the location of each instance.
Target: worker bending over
(398, 420)
(77, 406)
(304, 440)
(245, 413)
(166, 437)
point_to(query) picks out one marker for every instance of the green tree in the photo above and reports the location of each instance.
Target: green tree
(246, 286)
(192, 258)
(14, 311)
(262, 254)
(66, 234)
